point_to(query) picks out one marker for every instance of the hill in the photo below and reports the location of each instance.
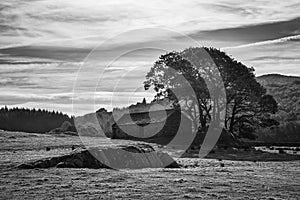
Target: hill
(286, 91)
(277, 79)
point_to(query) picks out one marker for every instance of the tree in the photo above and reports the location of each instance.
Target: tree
(246, 105)
(168, 77)
(144, 102)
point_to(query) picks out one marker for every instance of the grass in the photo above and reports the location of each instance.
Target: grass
(197, 179)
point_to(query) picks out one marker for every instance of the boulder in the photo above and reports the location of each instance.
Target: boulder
(66, 128)
(226, 140)
(118, 157)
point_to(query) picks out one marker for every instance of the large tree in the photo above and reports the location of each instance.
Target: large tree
(246, 105)
(171, 76)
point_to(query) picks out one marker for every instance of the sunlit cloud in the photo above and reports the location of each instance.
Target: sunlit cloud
(45, 43)
(81, 23)
(267, 42)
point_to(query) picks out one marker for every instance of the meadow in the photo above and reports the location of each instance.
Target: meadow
(197, 178)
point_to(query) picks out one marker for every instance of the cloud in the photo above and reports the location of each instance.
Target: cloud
(50, 53)
(274, 56)
(251, 33)
(16, 81)
(43, 43)
(71, 22)
(267, 42)
(235, 9)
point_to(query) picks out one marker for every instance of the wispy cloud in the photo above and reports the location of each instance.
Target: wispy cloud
(274, 56)
(71, 22)
(43, 43)
(267, 42)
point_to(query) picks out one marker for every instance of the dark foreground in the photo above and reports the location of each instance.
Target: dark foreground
(197, 179)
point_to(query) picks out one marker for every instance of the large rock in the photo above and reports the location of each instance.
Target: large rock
(118, 157)
(66, 128)
(226, 139)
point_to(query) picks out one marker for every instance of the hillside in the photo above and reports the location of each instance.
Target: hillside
(99, 123)
(286, 91)
(277, 79)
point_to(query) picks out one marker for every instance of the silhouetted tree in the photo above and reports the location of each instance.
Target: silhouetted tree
(247, 105)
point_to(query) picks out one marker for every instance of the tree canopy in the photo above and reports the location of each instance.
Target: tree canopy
(245, 107)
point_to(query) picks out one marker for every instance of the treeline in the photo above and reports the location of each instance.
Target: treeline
(31, 120)
(286, 132)
(286, 91)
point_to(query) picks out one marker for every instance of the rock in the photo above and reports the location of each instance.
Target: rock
(118, 157)
(281, 151)
(64, 165)
(66, 128)
(225, 141)
(181, 180)
(25, 166)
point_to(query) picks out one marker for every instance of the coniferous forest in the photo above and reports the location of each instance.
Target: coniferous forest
(31, 120)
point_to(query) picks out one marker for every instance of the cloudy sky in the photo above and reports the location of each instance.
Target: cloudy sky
(54, 53)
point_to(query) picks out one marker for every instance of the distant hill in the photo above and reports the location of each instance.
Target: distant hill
(277, 79)
(286, 91)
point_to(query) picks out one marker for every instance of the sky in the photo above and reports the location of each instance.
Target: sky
(78, 56)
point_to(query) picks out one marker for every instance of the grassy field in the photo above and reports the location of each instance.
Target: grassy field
(197, 179)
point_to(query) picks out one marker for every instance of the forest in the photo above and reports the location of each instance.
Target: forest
(286, 91)
(31, 120)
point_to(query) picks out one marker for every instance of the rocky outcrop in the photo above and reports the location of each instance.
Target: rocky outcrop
(226, 140)
(118, 157)
(66, 128)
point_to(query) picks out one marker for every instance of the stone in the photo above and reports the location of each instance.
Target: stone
(66, 128)
(134, 156)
